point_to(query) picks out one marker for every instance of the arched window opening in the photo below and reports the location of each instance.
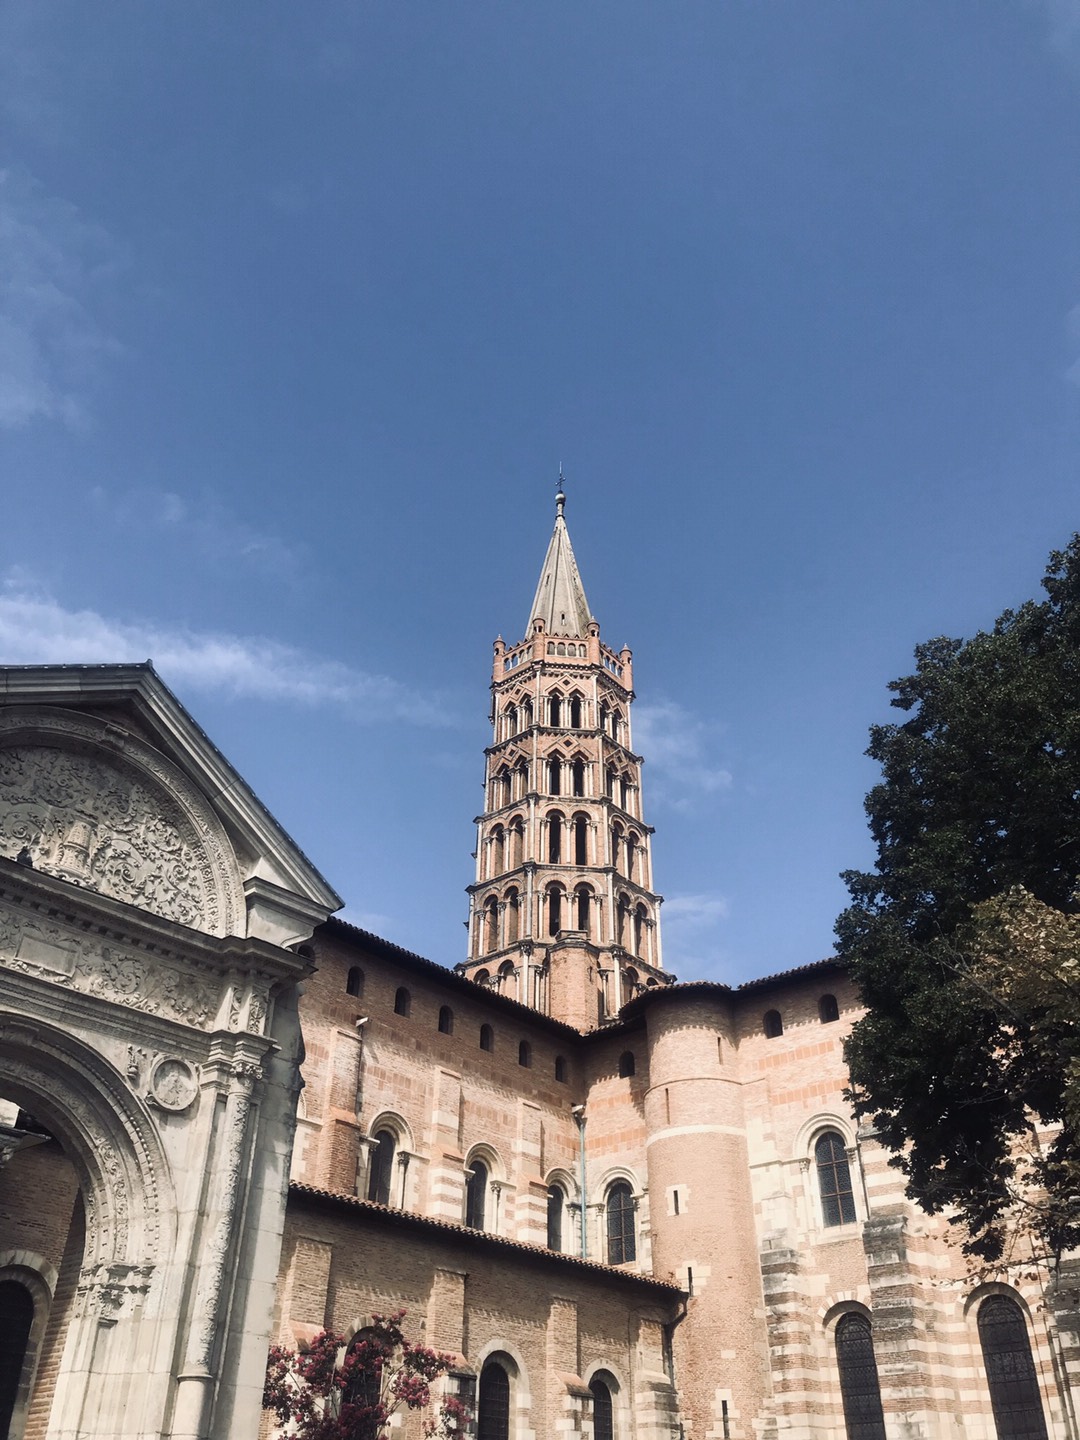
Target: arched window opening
(551, 647)
(513, 916)
(603, 1410)
(491, 924)
(627, 1065)
(560, 1069)
(507, 976)
(603, 715)
(476, 1195)
(525, 1054)
(772, 1024)
(402, 1001)
(16, 1323)
(621, 1241)
(1010, 1370)
(554, 769)
(639, 930)
(583, 895)
(555, 710)
(555, 826)
(554, 910)
(517, 843)
(482, 977)
(363, 1386)
(487, 1038)
(555, 1204)
(621, 914)
(354, 985)
(631, 979)
(498, 850)
(577, 775)
(624, 792)
(609, 783)
(521, 780)
(616, 845)
(631, 849)
(526, 714)
(859, 1386)
(381, 1173)
(510, 721)
(575, 712)
(616, 725)
(561, 648)
(834, 1180)
(581, 840)
(493, 1403)
(828, 1009)
(446, 1020)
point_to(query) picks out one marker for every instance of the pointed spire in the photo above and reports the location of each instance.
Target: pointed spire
(560, 596)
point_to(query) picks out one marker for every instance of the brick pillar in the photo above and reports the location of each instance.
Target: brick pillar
(52, 1346)
(901, 1343)
(788, 1319)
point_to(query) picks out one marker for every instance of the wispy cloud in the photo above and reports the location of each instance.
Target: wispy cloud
(692, 926)
(677, 747)
(36, 629)
(54, 265)
(202, 524)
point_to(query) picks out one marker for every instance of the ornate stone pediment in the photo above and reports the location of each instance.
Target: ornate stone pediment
(91, 804)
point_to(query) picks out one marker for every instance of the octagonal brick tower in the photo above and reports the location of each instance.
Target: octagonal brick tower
(562, 915)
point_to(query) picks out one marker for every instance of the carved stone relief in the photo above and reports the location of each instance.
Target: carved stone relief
(100, 809)
(173, 1085)
(95, 966)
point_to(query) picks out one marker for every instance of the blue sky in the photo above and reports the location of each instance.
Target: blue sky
(301, 306)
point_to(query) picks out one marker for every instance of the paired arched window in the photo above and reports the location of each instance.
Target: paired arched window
(402, 1001)
(834, 1179)
(491, 924)
(487, 1038)
(621, 1238)
(476, 1195)
(493, 1403)
(556, 1204)
(513, 916)
(1010, 1370)
(583, 903)
(381, 1171)
(555, 899)
(626, 1063)
(603, 1387)
(828, 1009)
(772, 1024)
(354, 985)
(859, 1385)
(446, 1020)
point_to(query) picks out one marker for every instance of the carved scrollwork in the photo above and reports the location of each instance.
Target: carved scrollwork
(67, 956)
(100, 809)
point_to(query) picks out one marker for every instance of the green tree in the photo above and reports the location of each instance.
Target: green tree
(980, 794)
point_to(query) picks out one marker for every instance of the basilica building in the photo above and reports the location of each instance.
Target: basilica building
(629, 1208)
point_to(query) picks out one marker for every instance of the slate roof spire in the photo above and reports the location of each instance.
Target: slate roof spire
(560, 596)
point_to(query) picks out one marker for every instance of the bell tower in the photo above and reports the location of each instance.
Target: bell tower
(562, 914)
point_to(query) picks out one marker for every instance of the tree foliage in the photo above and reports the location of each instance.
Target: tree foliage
(333, 1390)
(963, 1047)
